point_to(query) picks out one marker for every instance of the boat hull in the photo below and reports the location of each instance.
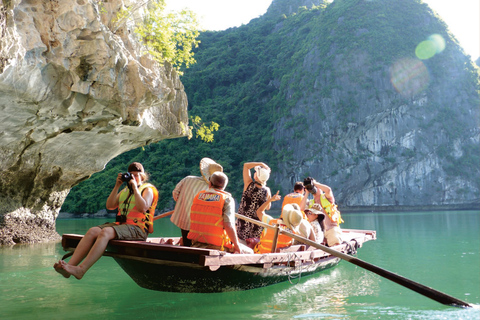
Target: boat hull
(185, 278)
(154, 264)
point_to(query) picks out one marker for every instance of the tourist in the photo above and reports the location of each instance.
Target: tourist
(297, 223)
(323, 195)
(265, 243)
(136, 207)
(184, 193)
(315, 216)
(255, 193)
(212, 218)
(296, 196)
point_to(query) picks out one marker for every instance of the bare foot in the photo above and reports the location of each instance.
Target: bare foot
(58, 267)
(75, 271)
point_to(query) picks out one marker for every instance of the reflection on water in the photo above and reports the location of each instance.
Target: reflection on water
(439, 249)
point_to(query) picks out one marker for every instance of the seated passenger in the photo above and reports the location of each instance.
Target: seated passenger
(296, 196)
(300, 225)
(212, 218)
(266, 238)
(323, 195)
(291, 222)
(316, 218)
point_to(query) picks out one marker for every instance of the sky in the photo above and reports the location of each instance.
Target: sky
(461, 16)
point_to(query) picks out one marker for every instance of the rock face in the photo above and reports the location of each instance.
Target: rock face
(385, 130)
(76, 91)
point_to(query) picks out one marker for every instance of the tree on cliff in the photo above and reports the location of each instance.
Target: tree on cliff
(168, 36)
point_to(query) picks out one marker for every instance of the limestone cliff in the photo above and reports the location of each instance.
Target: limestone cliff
(345, 91)
(76, 91)
(384, 125)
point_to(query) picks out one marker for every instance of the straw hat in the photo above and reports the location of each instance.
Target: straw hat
(207, 167)
(262, 174)
(316, 208)
(292, 216)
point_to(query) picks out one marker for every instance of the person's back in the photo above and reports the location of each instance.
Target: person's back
(184, 193)
(266, 239)
(255, 194)
(206, 221)
(296, 196)
(212, 218)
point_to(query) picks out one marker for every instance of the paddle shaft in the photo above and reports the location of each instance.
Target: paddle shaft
(163, 215)
(410, 284)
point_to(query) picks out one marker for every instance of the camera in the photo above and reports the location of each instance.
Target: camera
(126, 177)
(121, 218)
(308, 183)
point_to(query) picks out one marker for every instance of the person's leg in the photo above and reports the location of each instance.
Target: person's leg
(81, 250)
(186, 242)
(84, 246)
(95, 253)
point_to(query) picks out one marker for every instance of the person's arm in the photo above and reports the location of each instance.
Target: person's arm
(232, 234)
(112, 200)
(263, 207)
(312, 236)
(142, 201)
(303, 204)
(229, 222)
(269, 196)
(177, 190)
(247, 177)
(327, 190)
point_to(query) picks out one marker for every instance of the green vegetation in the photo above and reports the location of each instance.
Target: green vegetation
(169, 37)
(283, 81)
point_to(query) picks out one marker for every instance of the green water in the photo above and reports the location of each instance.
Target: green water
(438, 249)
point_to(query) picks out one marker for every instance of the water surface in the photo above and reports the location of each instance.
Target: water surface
(438, 249)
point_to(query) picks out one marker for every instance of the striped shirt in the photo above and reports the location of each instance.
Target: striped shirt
(183, 194)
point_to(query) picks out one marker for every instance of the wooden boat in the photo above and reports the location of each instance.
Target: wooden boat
(155, 265)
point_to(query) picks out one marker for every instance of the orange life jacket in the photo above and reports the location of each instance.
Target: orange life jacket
(206, 218)
(293, 197)
(134, 216)
(266, 239)
(331, 210)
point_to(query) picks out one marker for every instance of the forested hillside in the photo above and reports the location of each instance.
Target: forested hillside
(344, 92)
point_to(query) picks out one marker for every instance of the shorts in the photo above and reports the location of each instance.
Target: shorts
(333, 236)
(126, 231)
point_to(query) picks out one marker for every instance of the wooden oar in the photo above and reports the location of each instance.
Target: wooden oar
(410, 284)
(163, 215)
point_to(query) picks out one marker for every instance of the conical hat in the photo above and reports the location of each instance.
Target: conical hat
(207, 167)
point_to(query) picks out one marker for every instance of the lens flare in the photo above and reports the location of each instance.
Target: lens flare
(439, 42)
(430, 47)
(425, 50)
(409, 76)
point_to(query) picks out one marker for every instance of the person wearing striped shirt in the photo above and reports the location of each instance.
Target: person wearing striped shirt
(184, 193)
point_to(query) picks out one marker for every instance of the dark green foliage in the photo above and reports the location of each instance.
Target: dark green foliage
(256, 81)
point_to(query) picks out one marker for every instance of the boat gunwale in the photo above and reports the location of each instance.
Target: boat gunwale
(213, 259)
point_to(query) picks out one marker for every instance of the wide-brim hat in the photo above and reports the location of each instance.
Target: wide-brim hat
(207, 167)
(292, 216)
(315, 208)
